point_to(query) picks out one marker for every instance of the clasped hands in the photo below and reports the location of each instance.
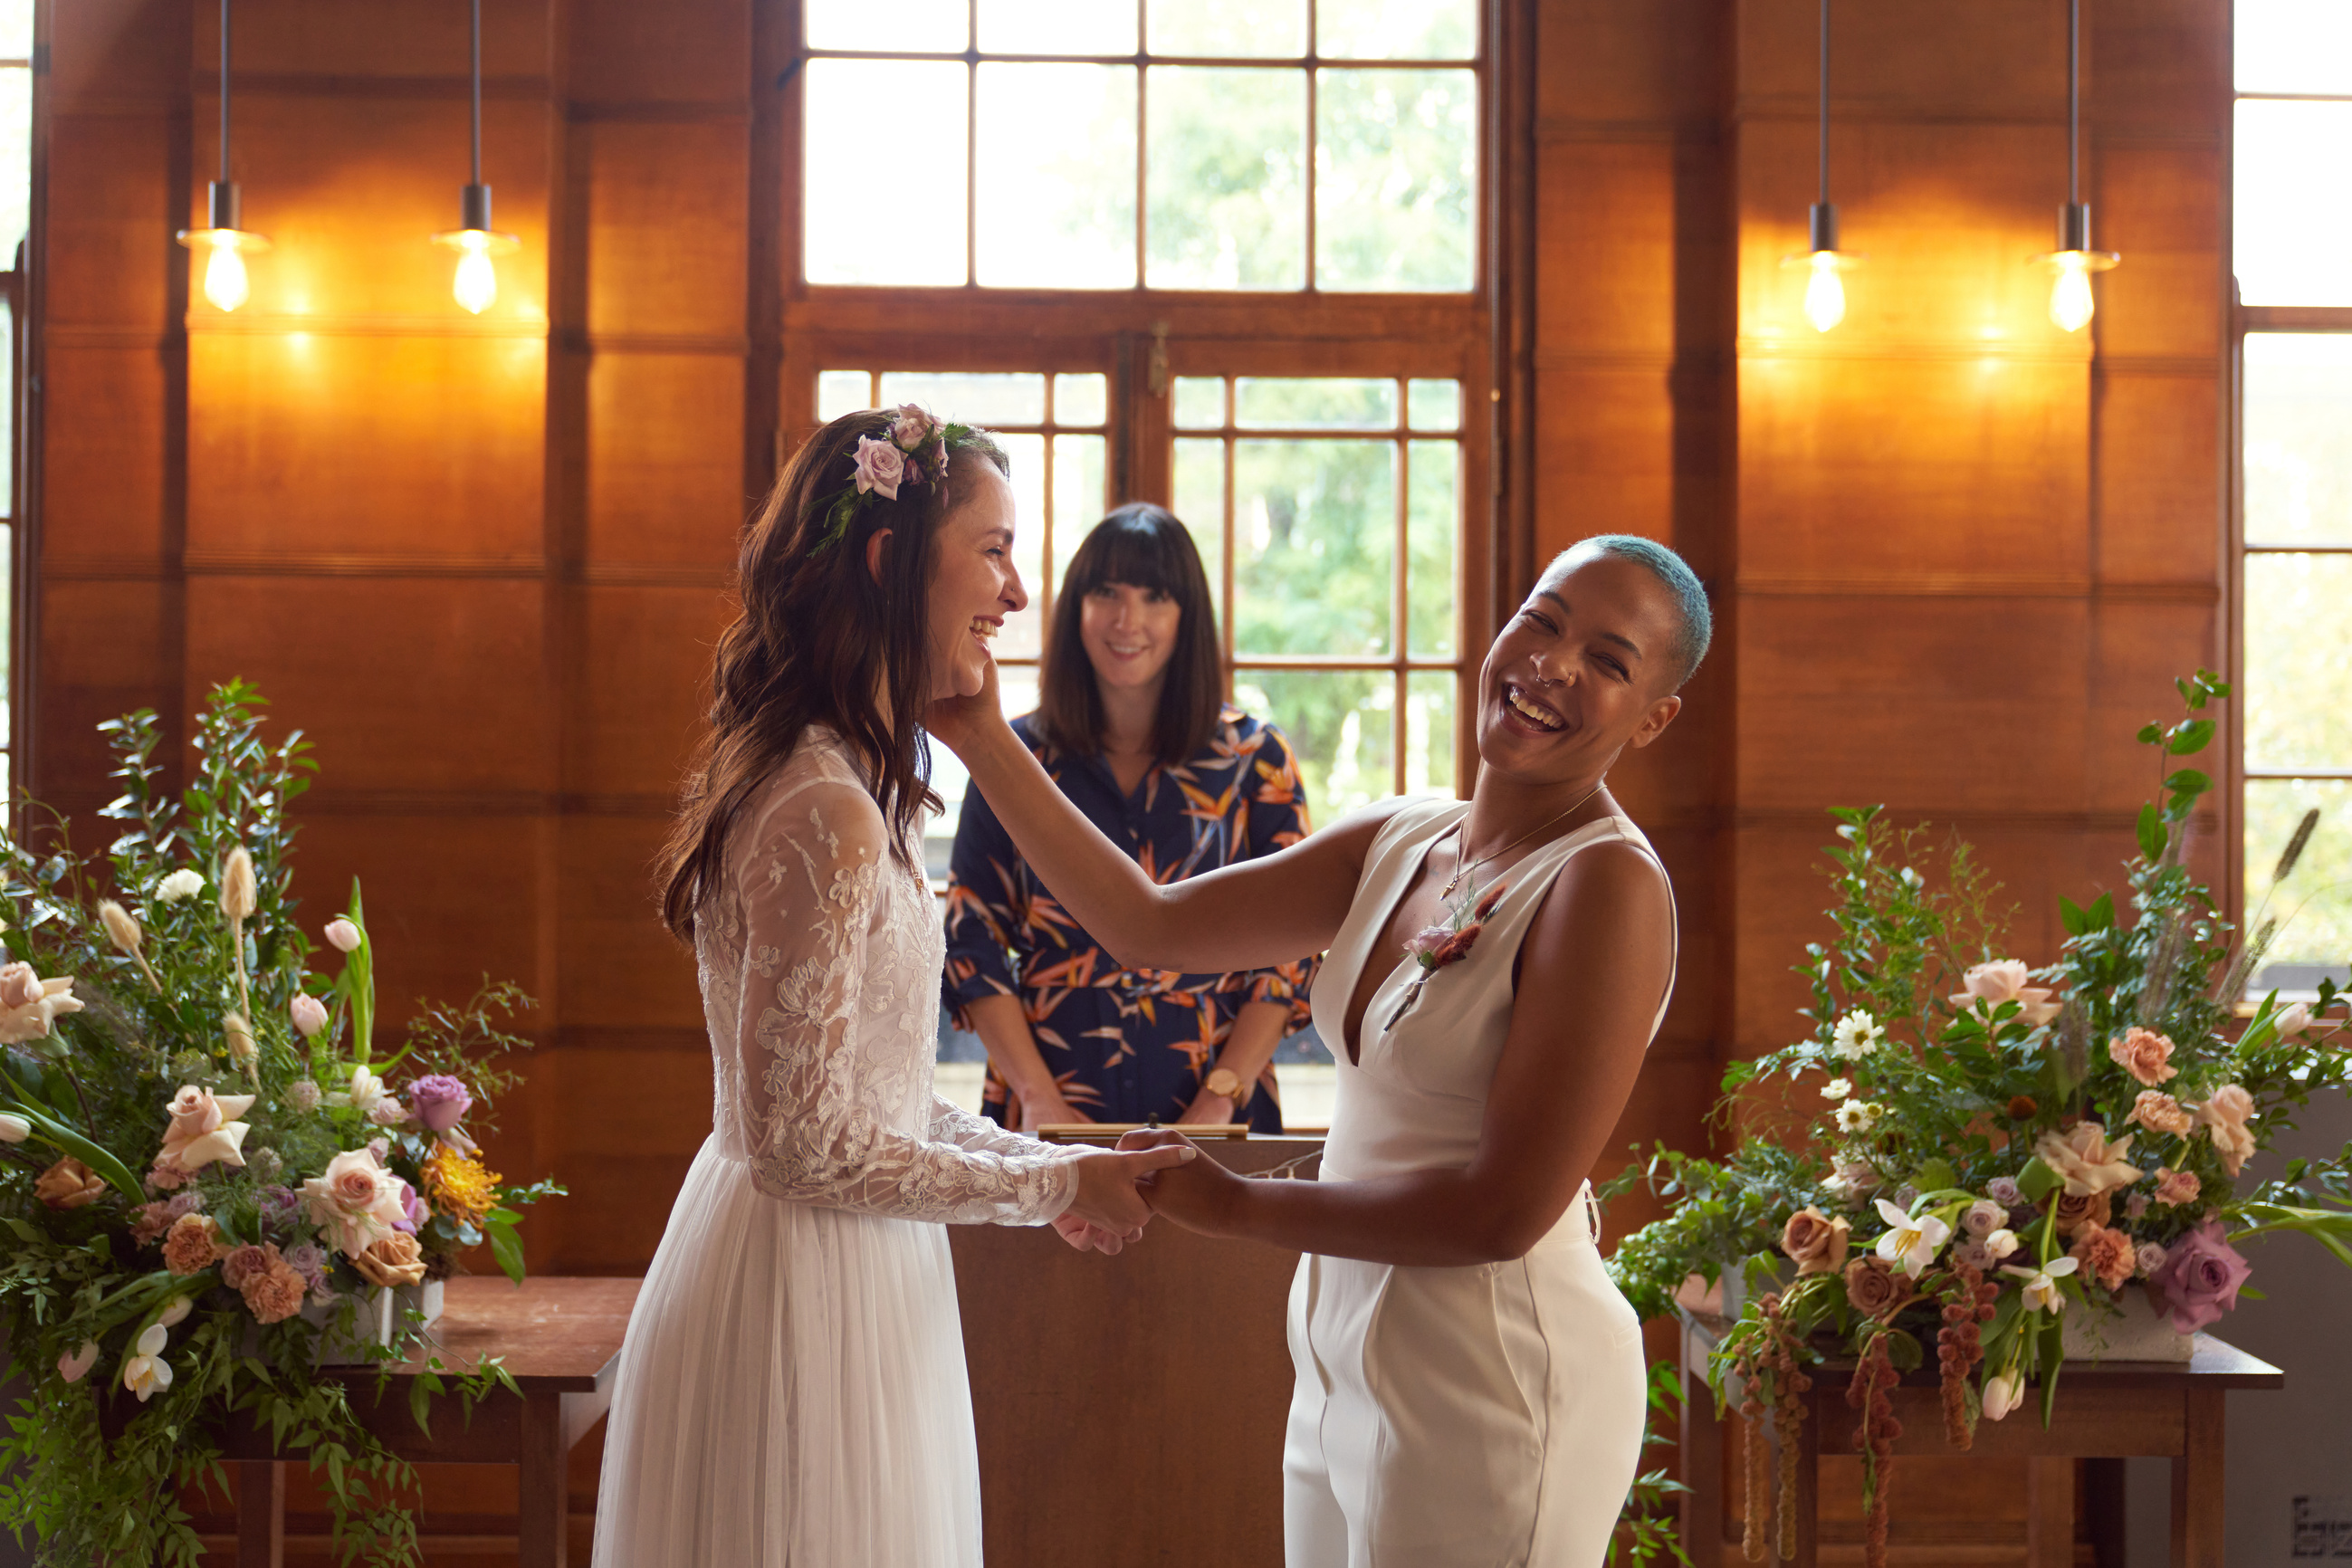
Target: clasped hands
(1156, 1171)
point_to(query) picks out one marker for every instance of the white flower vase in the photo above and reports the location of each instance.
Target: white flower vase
(2133, 1331)
(382, 1315)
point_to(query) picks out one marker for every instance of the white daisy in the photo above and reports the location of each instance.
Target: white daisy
(1857, 1116)
(1837, 1089)
(1857, 1036)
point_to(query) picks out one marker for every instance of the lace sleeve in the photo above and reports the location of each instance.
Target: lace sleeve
(951, 1123)
(822, 966)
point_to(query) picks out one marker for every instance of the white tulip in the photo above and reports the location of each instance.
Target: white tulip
(2001, 1243)
(310, 1013)
(172, 1315)
(14, 1129)
(343, 935)
(2003, 1392)
(365, 1095)
(146, 1374)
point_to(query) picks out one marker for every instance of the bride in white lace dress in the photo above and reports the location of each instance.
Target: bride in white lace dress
(793, 1389)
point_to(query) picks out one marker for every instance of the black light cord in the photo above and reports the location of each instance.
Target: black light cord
(224, 129)
(2073, 98)
(478, 90)
(1825, 101)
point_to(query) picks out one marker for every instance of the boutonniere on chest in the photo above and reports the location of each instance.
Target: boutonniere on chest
(1449, 942)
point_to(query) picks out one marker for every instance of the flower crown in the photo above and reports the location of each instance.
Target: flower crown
(916, 453)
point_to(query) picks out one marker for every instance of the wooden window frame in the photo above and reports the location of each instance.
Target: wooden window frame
(1143, 338)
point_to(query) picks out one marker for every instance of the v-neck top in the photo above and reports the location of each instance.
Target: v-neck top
(1415, 1098)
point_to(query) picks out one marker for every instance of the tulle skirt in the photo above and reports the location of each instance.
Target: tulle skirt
(792, 1394)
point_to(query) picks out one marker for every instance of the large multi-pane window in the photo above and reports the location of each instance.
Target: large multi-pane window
(2294, 257)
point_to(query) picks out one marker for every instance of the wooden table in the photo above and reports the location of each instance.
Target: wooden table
(2115, 1410)
(561, 1339)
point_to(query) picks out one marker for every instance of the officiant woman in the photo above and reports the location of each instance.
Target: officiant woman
(1131, 725)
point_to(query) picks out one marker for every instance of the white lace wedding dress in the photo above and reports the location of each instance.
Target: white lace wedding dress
(793, 1393)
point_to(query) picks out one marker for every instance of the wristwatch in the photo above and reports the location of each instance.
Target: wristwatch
(1225, 1081)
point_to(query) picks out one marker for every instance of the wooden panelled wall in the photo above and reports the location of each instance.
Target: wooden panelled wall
(1955, 553)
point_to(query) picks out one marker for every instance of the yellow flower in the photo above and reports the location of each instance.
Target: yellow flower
(461, 1186)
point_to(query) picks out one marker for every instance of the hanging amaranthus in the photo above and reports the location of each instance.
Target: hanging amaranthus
(1871, 1392)
(1789, 1386)
(1969, 1300)
(1755, 1491)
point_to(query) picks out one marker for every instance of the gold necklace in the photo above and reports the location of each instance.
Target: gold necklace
(1455, 881)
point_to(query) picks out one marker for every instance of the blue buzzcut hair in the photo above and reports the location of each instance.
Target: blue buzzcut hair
(1695, 621)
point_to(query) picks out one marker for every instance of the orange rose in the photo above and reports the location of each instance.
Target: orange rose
(393, 1261)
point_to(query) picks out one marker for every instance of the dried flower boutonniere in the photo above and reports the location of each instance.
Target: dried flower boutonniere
(1436, 946)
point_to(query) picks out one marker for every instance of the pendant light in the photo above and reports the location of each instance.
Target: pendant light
(474, 240)
(1824, 289)
(2074, 261)
(225, 245)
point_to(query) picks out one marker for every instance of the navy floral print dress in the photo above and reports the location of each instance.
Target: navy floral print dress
(1127, 1045)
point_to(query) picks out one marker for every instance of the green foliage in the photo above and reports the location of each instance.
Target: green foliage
(1647, 1528)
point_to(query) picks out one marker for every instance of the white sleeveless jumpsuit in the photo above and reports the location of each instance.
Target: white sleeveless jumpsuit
(1487, 1416)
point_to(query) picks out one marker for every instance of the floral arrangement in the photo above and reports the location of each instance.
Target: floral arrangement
(207, 1173)
(916, 453)
(1994, 1150)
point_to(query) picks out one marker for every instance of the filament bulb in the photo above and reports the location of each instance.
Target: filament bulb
(476, 286)
(2070, 292)
(225, 281)
(1825, 292)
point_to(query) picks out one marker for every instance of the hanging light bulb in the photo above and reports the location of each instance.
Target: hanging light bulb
(1824, 289)
(2070, 302)
(476, 285)
(225, 245)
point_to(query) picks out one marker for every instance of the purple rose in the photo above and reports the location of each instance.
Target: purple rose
(880, 467)
(413, 1211)
(911, 428)
(2200, 1278)
(440, 1100)
(2002, 1190)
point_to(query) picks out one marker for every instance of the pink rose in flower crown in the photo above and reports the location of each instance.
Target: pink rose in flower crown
(2144, 1053)
(354, 1200)
(2005, 980)
(2225, 1115)
(880, 467)
(911, 428)
(2200, 1278)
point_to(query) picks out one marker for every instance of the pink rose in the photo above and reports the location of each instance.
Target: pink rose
(911, 428)
(309, 1013)
(2144, 1053)
(2005, 980)
(2159, 1112)
(2085, 1160)
(2149, 1258)
(2176, 1187)
(20, 986)
(880, 467)
(2226, 1113)
(195, 1112)
(2200, 1278)
(355, 1200)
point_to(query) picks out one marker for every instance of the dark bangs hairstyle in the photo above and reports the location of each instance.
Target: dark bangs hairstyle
(816, 637)
(1144, 546)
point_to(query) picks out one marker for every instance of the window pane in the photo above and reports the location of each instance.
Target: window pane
(969, 397)
(840, 392)
(1079, 501)
(1081, 399)
(1056, 27)
(1429, 734)
(1228, 29)
(1434, 405)
(15, 158)
(2298, 644)
(1314, 546)
(2314, 905)
(1341, 722)
(15, 29)
(2298, 413)
(1396, 29)
(852, 237)
(1317, 402)
(1396, 179)
(2295, 45)
(1226, 188)
(1020, 637)
(1201, 504)
(2293, 230)
(917, 26)
(1200, 401)
(1056, 176)
(1433, 514)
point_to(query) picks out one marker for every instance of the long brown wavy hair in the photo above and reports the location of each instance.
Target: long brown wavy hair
(817, 639)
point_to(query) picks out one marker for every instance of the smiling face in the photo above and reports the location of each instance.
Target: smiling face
(974, 585)
(1582, 670)
(1130, 634)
